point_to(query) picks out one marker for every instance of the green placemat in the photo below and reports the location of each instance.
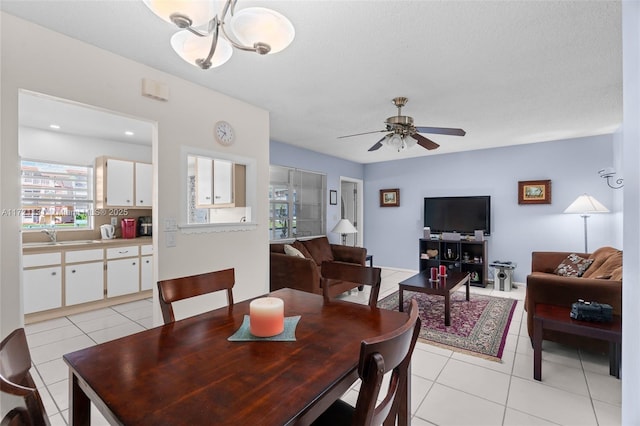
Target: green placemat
(288, 335)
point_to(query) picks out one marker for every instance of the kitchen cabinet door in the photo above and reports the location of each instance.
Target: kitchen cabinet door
(214, 182)
(146, 272)
(119, 176)
(84, 282)
(42, 289)
(123, 276)
(144, 187)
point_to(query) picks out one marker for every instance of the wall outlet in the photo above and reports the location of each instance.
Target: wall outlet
(114, 221)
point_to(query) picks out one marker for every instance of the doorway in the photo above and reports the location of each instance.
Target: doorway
(351, 193)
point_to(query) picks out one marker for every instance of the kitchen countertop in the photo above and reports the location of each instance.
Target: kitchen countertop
(47, 246)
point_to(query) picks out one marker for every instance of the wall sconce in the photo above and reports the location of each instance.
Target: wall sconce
(608, 173)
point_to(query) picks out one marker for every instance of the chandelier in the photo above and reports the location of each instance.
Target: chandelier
(204, 39)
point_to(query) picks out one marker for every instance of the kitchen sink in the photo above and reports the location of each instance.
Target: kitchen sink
(60, 243)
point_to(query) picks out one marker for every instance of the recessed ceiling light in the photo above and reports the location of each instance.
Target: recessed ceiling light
(54, 126)
(129, 133)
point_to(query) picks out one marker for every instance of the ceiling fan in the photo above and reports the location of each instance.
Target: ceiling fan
(403, 134)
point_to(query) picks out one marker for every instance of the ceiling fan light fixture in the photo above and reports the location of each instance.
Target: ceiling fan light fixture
(395, 142)
(258, 25)
(409, 142)
(198, 12)
(192, 48)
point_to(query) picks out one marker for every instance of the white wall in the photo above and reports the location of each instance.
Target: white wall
(36, 144)
(631, 270)
(43, 61)
(392, 233)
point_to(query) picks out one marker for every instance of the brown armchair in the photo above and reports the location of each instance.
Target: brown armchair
(602, 282)
(303, 273)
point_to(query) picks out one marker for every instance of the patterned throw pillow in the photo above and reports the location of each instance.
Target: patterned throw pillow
(573, 266)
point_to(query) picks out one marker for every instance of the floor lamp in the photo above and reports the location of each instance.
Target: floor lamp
(344, 227)
(583, 205)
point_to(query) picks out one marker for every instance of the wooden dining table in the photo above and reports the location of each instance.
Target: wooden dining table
(188, 373)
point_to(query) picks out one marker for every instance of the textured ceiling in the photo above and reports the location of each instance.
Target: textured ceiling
(506, 72)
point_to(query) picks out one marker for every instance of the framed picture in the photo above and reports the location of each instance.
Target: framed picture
(534, 192)
(390, 197)
(333, 197)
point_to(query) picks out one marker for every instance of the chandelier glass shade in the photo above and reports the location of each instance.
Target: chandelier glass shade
(205, 41)
(190, 47)
(259, 25)
(400, 143)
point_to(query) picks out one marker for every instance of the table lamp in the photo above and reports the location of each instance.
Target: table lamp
(344, 227)
(583, 205)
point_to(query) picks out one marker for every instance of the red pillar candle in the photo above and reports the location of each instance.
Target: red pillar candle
(266, 316)
(434, 273)
(443, 270)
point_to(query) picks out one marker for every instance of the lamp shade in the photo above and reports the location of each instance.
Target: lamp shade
(191, 47)
(258, 24)
(585, 204)
(199, 11)
(344, 227)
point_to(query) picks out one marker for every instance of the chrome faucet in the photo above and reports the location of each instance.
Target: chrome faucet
(51, 233)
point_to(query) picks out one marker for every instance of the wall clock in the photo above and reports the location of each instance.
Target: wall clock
(224, 133)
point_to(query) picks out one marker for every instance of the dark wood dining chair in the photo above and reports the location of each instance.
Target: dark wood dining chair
(338, 277)
(15, 379)
(194, 285)
(390, 352)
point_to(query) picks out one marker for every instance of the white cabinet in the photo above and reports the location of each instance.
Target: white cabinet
(123, 276)
(123, 271)
(146, 272)
(42, 282)
(119, 187)
(214, 182)
(84, 282)
(123, 183)
(144, 180)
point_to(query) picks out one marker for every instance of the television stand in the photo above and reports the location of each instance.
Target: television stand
(457, 255)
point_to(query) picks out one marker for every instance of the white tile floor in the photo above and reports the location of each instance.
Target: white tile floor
(448, 388)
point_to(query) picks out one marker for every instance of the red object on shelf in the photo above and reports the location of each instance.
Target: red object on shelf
(128, 228)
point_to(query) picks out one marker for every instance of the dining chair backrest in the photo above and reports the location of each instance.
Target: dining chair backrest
(195, 285)
(388, 353)
(338, 277)
(15, 379)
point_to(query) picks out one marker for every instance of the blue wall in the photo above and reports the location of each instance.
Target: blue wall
(281, 154)
(391, 234)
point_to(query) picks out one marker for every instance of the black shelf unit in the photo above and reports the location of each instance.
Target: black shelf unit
(463, 255)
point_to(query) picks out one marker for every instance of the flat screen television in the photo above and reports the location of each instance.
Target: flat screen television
(458, 214)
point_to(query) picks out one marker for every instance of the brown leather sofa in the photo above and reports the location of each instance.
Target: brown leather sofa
(303, 273)
(601, 282)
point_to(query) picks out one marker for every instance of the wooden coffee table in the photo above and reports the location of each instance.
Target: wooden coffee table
(421, 283)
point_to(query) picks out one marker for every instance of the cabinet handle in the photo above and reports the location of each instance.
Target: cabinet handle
(133, 263)
(128, 201)
(207, 198)
(73, 271)
(123, 252)
(147, 261)
(141, 201)
(53, 273)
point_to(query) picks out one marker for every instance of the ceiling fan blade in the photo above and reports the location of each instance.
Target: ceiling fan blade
(424, 142)
(441, 131)
(378, 144)
(365, 133)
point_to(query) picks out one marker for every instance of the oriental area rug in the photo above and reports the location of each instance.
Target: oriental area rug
(478, 327)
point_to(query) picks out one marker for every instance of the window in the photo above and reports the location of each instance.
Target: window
(296, 203)
(56, 194)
